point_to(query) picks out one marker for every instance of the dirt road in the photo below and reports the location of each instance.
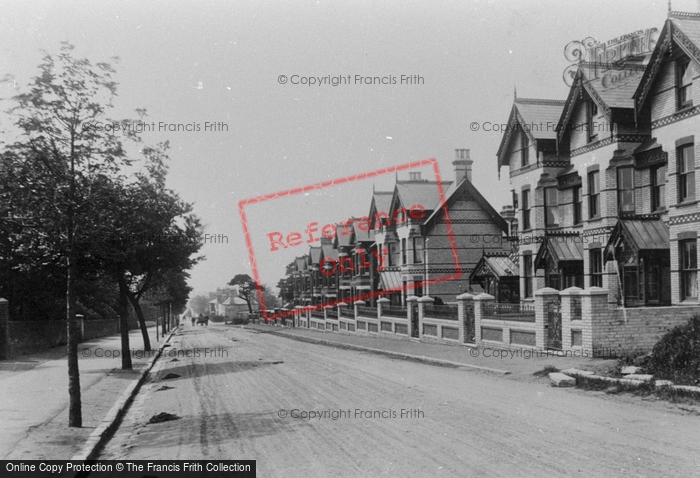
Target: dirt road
(241, 394)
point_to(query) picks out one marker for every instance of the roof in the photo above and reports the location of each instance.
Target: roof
(329, 251)
(561, 248)
(499, 265)
(466, 186)
(684, 29)
(423, 193)
(638, 234)
(540, 111)
(535, 112)
(390, 280)
(381, 201)
(605, 93)
(343, 237)
(301, 263)
(363, 236)
(315, 254)
(619, 94)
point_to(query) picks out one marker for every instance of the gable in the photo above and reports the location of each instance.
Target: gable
(466, 193)
(681, 32)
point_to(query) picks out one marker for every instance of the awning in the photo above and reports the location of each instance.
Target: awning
(495, 266)
(638, 235)
(390, 280)
(563, 248)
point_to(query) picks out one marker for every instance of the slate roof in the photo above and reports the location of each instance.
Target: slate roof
(564, 248)
(540, 111)
(620, 94)
(535, 112)
(424, 193)
(315, 254)
(499, 265)
(689, 23)
(329, 251)
(640, 234)
(688, 26)
(382, 201)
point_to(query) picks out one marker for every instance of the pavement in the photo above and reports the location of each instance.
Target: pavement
(514, 364)
(34, 396)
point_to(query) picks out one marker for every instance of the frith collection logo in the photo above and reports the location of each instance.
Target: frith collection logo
(612, 61)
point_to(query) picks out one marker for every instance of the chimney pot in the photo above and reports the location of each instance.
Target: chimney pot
(463, 165)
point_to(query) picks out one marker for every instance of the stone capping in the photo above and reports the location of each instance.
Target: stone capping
(546, 291)
(383, 300)
(412, 298)
(571, 291)
(359, 302)
(341, 304)
(465, 296)
(593, 291)
(426, 298)
(484, 296)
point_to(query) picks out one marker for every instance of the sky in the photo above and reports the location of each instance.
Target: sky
(241, 70)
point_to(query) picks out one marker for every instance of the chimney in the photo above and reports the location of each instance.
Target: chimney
(508, 213)
(463, 165)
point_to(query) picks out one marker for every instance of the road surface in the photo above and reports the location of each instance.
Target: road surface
(239, 392)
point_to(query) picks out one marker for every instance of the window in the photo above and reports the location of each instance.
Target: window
(417, 250)
(515, 200)
(625, 190)
(526, 209)
(685, 84)
(658, 188)
(551, 207)
(403, 251)
(596, 266)
(524, 149)
(689, 269)
(593, 194)
(527, 274)
(578, 205)
(591, 126)
(418, 288)
(391, 251)
(686, 173)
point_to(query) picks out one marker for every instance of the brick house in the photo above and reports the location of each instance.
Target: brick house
(607, 198)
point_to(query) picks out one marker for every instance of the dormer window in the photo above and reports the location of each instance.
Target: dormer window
(524, 149)
(591, 126)
(685, 84)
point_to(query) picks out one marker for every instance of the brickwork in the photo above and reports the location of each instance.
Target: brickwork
(626, 331)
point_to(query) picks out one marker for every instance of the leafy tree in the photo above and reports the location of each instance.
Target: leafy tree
(155, 233)
(62, 162)
(271, 300)
(286, 284)
(247, 289)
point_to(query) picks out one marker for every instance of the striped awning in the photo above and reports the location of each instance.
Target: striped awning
(390, 280)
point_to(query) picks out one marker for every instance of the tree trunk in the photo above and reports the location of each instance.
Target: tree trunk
(124, 323)
(162, 311)
(142, 320)
(75, 415)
